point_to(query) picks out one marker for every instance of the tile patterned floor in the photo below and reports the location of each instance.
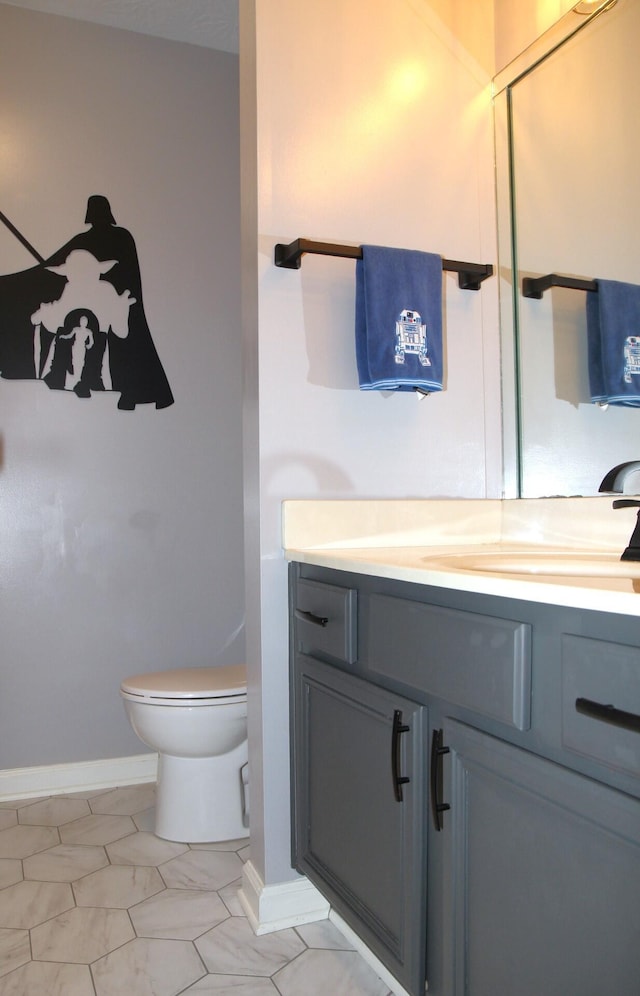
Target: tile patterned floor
(92, 903)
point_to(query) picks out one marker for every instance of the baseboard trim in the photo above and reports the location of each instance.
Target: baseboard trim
(290, 904)
(367, 955)
(55, 779)
(274, 907)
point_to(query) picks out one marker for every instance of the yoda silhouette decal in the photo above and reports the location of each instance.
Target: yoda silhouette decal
(76, 320)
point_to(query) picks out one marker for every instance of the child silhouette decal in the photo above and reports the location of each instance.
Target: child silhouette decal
(77, 320)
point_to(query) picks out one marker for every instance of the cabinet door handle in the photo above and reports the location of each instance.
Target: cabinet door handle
(437, 753)
(312, 618)
(398, 729)
(609, 714)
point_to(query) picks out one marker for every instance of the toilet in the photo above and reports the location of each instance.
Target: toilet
(196, 719)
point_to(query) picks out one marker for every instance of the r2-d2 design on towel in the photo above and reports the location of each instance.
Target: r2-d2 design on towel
(411, 337)
(631, 358)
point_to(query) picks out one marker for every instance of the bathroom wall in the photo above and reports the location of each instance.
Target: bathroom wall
(120, 531)
(373, 124)
(518, 23)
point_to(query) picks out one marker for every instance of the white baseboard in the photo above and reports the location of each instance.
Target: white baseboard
(367, 955)
(55, 779)
(290, 904)
(274, 907)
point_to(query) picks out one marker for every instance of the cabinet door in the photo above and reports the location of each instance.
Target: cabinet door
(544, 873)
(359, 810)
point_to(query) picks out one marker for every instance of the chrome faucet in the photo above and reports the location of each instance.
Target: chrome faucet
(615, 479)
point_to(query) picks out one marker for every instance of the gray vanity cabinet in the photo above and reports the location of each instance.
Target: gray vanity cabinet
(542, 871)
(359, 830)
(512, 866)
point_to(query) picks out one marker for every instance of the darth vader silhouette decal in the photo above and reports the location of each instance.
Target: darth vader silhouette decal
(76, 320)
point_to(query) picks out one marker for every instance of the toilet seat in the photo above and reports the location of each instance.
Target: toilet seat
(188, 686)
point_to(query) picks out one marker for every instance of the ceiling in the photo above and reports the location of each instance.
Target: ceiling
(211, 23)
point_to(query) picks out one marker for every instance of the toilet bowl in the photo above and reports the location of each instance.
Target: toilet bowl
(196, 719)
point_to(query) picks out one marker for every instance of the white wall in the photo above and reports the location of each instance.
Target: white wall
(120, 532)
(373, 125)
(518, 23)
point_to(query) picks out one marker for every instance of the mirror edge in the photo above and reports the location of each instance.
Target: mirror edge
(546, 43)
(570, 23)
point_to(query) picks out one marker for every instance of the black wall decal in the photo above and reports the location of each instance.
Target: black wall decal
(76, 320)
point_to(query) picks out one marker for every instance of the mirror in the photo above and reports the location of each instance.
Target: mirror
(567, 150)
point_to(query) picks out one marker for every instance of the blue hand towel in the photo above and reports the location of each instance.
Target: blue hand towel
(613, 336)
(399, 320)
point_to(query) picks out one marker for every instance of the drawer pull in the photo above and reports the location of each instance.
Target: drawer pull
(609, 714)
(312, 618)
(398, 780)
(437, 753)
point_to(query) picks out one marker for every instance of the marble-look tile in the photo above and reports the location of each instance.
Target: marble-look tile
(20, 842)
(15, 950)
(144, 848)
(64, 863)
(233, 985)
(146, 820)
(81, 935)
(210, 870)
(192, 934)
(96, 830)
(118, 886)
(245, 853)
(233, 943)
(125, 801)
(179, 914)
(8, 818)
(316, 973)
(10, 872)
(19, 803)
(148, 967)
(87, 793)
(229, 896)
(53, 812)
(29, 903)
(48, 979)
(220, 845)
(323, 934)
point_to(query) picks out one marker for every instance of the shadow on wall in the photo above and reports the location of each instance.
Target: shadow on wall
(298, 473)
(328, 304)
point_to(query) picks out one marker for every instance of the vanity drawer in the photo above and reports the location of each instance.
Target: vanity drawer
(478, 662)
(326, 620)
(597, 674)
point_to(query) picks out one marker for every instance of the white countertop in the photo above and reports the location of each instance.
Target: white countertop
(406, 541)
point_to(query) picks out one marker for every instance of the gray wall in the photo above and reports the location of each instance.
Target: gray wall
(120, 532)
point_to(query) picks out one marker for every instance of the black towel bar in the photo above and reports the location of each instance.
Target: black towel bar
(536, 286)
(470, 275)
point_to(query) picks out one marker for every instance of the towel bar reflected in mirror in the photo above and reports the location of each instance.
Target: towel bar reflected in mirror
(536, 286)
(470, 275)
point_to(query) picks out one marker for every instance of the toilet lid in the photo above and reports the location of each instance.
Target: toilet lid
(189, 683)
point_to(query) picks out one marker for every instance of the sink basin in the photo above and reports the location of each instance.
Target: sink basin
(560, 563)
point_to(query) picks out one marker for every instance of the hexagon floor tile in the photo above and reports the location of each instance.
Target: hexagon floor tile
(157, 968)
(29, 903)
(14, 949)
(53, 812)
(81, 935)
(64, 863)
(143, 848)
(7, 819)
(92, 903)
(118, 886)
